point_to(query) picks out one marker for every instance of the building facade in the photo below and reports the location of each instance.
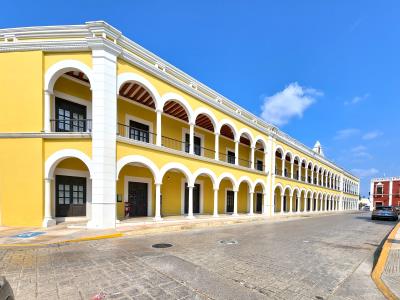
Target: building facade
(94, 126)
(385, 191)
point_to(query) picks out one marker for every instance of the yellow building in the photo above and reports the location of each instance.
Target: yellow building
(94, 126)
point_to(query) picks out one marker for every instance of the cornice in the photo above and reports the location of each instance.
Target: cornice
(97, 34)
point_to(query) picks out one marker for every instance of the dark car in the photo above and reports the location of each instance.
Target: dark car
(397, 208)
(6, 292)
(384, 213)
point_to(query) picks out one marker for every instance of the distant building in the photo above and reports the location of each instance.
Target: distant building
(385, 191)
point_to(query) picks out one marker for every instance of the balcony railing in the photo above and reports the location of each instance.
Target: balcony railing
(146, 136)
(71, 125)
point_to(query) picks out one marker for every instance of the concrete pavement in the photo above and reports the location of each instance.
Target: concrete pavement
(315, 257)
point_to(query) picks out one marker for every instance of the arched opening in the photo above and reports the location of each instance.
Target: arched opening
(70, 102)
(303, 201)
(319, 202)
(176, 191)
(258, 201)
(70, 190)
(206, 181)
(309, 173)
(244, 199)
(135, 191)
(286, 200)
(259, 155)
(296, 200)
(278, 194)
(296, 168)
(315, 174)
(308, 201)
(314, 202)
(320, 177)
(204, 136)
(136, 113)
(228, 192)
(303, 170)
(288, 165)
(227, 144)
(279, 162)
(245, 141)
(176, 129)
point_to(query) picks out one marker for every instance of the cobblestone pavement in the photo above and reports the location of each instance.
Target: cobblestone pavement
(307, 258)
(391, 273)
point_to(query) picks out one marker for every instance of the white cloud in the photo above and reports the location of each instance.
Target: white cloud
(356, 99)
(346, 133)
(360, 152)
(365, 172)
(372, 135)
(291, 102)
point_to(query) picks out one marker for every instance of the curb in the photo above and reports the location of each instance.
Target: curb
(83, 239)
(380, 265)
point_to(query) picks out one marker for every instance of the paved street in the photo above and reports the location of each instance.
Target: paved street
(307, 258)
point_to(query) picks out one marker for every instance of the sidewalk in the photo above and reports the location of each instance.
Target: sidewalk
(391, 272)
(77, 231)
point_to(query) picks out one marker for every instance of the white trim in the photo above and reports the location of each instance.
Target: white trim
(74, 173)
(226, 196)
(129, 117)
(170, 96)
(77, 100)
(226, 154)
(149, 182)
(139, 159)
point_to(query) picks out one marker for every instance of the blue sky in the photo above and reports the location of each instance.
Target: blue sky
(322, 70)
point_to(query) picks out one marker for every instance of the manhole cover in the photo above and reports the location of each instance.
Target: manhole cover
(228, 242)
(162, 245)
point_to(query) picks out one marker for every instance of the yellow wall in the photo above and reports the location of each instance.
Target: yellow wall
(21, 93)
(21, 184)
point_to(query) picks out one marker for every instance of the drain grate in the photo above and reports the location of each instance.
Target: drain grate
(161, 245)
(228, 242)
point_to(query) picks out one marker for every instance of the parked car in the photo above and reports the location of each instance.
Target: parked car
(385, 213)
(366, 208)
(397, 208)
(6, 292)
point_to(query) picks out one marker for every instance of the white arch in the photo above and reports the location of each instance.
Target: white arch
(138, 159)
(281, 150)
(177, 166)
(208, 113)
(263, 141)
(231, 125)
(248, 180)
(298, 191)
(262, 183)
(206, 171)
(290, 154)
(247, 132)
(279, 186)
(288, 187)
(53, 160)
(229, 176)
(61, 67)
(181, 100)
(298, 159)
(319, 195)
(128, 76)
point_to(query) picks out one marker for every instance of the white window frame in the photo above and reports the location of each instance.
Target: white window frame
(77, 100)
(201, 182)
(199, 135)
(129, 118)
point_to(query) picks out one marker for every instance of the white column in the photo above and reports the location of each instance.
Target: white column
(371, 196)
(298, 199)
(290, 203)
(47, 111)
(252, 150)
(215, 213)
(236, 152)
(159, 131)
(390, 191)
(306, 175)
(251, 204)
(157, 215)
(104, 112)
(265, 208)
(292, 169)
(317, 178)
(191, 138)
(312, 204)
(312, 176)
(235, 203)
(48, 219)
(283, 166)
(216, 146)
(282, 199)
(190, 202)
